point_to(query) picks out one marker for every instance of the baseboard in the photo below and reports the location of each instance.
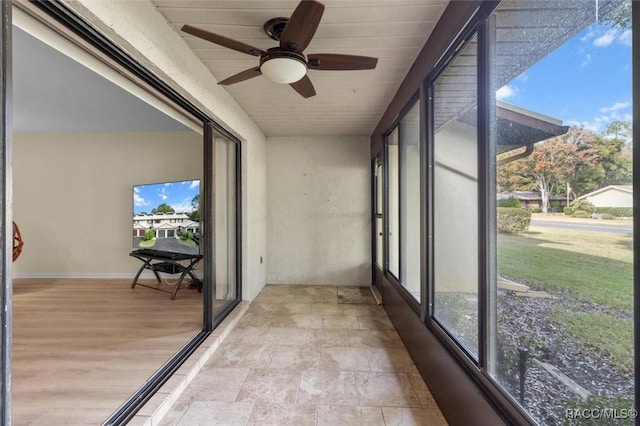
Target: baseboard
(89, 275)
(77, 275)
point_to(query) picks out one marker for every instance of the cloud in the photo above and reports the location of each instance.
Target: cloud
(183, 207)
(610, 114)
(588, 36)
(138, 200)
(625, 38)
(194, 184)
(162, 194)
(523, 77)
(606, 39)
(586, 60)
(616, 107)
(506, 92)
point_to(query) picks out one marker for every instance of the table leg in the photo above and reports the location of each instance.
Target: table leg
(142, 268)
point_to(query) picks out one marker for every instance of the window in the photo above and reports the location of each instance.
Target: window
(563, 297)
(393, 192)
(226, 276)
(455, 199)
(379, 216)
(410, 201)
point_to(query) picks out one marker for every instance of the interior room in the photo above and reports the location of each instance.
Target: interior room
(341, 251)
(81, 143)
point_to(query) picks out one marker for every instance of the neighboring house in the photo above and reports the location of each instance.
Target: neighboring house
(532, 199)
(611, 196)
(166, 225)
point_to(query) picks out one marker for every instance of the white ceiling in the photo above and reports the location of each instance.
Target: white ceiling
(347, 102)
(54, 93)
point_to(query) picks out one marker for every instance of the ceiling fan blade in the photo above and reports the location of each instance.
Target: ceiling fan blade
(304, 87)
(242, 76)
(334, 62)
(302, 25)
(222, 41)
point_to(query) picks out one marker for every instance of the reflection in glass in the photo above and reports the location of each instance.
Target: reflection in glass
(379, 216)
(225, 224)
(455, 200)
(394, 203)
(410, 201)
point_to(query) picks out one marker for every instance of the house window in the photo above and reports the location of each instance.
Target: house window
(455, 199)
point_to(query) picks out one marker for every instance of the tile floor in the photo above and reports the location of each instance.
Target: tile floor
(308, 355)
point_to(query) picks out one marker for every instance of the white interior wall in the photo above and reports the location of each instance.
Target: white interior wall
(456, 209)
(73, 196)
(144, 33)
(319, 210)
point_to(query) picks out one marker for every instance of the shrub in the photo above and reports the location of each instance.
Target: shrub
(568, 211)
(584, 205)
(187, 235)
(512, 220)
(510, 202)
(608, 216)
(581, 214)
(536, 210)
(554, 203)
(616, 211)
(149, 234)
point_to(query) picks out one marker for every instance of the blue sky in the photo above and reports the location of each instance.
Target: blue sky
(586, 81)
(177, 194)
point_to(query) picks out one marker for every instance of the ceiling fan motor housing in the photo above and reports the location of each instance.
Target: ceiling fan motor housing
(283, 66)
(274, 27)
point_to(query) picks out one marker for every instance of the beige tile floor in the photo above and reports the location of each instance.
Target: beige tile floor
(308, 355)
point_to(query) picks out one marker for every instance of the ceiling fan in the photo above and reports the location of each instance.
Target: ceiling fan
(287, 64)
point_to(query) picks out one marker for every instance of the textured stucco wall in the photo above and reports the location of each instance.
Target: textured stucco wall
(319, 210)
(141, 30)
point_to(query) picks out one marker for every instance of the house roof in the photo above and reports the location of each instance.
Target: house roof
(517, 127)
(627, 189)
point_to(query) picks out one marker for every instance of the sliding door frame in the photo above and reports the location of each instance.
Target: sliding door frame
(60, 15)
(6, 190)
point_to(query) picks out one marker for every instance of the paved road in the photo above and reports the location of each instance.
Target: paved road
(628, 230)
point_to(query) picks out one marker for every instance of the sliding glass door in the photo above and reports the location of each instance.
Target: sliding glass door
(226, 253)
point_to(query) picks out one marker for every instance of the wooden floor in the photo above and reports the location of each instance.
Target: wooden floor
(81, 347)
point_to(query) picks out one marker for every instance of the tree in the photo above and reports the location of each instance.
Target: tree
(613, 162)
(550, 166)
(620, 16)
(163, 208)
(195, 203)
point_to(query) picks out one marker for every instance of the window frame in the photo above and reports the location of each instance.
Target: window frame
(483, 25)
(415, 304)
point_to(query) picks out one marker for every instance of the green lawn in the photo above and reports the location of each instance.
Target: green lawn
(580, 266)
(592, 266)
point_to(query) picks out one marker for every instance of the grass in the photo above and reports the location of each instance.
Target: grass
(605, 334)
(592, 266)
(580, 266)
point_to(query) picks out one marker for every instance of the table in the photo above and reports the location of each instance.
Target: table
(169, 263)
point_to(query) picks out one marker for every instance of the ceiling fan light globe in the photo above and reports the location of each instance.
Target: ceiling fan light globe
(283, 70)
